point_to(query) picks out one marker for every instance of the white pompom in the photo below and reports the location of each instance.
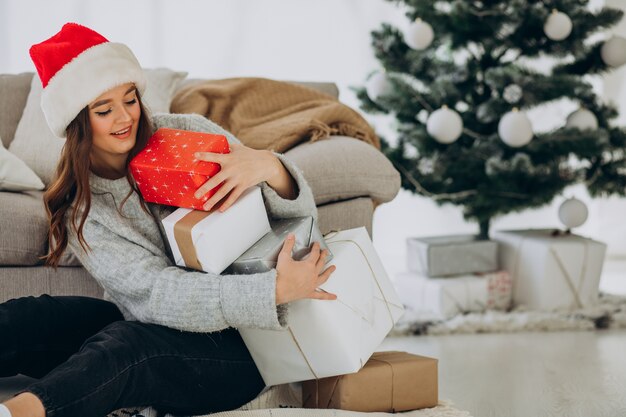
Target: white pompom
(582, 119)
(445, 125)
(558, 26)
(419, 35)
(515, 129)
(613, 51)
(573, 213)
(378, 85)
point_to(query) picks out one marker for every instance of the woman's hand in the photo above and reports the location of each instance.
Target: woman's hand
(300, 279)
(241, 169)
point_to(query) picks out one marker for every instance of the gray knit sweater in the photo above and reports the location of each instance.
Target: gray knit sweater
(131, 260)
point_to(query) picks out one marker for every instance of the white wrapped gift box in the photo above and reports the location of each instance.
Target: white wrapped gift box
(551, 271)
(443, 298)
(328, 338)
(211, 241)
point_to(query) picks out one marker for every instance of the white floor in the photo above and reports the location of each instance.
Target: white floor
(528, 374)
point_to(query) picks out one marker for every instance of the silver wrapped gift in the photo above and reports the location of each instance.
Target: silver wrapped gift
(441, 256)
(263, 255)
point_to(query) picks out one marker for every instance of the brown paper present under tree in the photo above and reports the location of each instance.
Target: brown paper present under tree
(389, 382)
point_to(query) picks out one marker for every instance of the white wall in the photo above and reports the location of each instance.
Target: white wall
(318, 40)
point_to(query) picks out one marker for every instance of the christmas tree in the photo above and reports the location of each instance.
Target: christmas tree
(459, 80)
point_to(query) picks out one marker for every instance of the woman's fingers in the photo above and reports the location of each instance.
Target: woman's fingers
(290, 241)
(323, 277)
(221, 193)
(211, 183)
(232, 198)
(215, 157)
(321, 260)
(322, 295)
(314, 254)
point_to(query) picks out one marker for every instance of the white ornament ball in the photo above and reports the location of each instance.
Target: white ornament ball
(582, 119)
(378, 85)
(573, 213)
(558, 26)
(445, 125)
(419, 35)
(613, 51)
(515, 129)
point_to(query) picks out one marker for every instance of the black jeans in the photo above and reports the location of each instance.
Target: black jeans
(90, 361)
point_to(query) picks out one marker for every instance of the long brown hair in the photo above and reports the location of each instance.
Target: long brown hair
(70, 188)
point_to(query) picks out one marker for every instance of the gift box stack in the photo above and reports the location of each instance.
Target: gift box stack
(450, 275)
(323, 338)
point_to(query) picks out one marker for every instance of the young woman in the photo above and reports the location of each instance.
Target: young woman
(163, 336)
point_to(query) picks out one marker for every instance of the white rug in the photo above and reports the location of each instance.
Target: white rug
(286, 400)
(610, 312)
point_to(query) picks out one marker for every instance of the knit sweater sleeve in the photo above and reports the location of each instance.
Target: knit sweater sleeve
(277, 206)
(147, 287)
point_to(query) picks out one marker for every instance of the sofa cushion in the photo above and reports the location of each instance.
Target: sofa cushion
(23, 228)
(342, 168)
(15, 175)
(14, 90)
(34, 142)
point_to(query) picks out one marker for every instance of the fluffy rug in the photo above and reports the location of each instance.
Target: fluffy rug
(285, 400)
(610, 312)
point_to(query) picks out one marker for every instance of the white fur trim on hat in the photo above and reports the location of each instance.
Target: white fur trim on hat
(93, 72)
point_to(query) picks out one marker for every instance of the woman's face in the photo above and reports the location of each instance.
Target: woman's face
(114, 118)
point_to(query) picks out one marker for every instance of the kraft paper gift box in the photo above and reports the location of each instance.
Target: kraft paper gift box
(389, 382)
(440, 256)
(167, 172)
(443, 298)
(327, 338)
(551, 272)
(263, 255)
(211, 241)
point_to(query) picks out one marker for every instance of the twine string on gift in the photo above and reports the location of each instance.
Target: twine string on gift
(391, 406)
(308, 363)
(332, 391)
(184, 240)
(518, 255)
(387, 302)
(575, 289)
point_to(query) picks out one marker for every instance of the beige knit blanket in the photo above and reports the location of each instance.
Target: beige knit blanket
(268, 114)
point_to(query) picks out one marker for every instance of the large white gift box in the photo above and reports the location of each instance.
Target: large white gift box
(443, 298)
(211, 241)
(328, 338)
(549, 270)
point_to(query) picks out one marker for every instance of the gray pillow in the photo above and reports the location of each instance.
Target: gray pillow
(36, 145)
(13, 93)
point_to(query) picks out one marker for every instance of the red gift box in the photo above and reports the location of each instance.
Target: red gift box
(167, 172)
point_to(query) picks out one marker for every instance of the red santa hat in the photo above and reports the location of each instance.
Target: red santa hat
(76, 66)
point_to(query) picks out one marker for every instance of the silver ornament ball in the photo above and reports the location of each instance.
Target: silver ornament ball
(378, 85)
(515, 129)
(573, 213)
(419, 35)
(512, 93)
(582, 119)
(444, 125)
(558, 26)
(613, 51)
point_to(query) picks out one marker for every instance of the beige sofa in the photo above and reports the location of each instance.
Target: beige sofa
(348, 177)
